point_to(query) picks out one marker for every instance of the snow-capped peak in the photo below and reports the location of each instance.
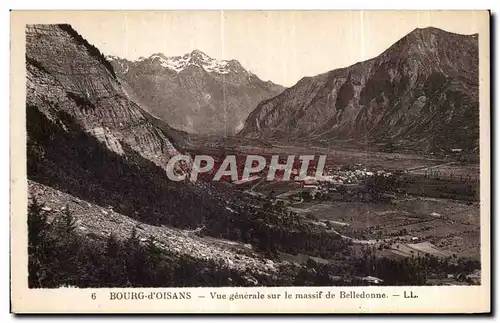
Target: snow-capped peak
(119, 61)
(112, 57)
(196, 58)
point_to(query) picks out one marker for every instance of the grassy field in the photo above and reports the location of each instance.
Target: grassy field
(439, 226)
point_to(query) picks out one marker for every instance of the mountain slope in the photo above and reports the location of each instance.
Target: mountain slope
(87, 138)
(99, 222)
(80, 85)
(93, 150)
(194, 92)
(422, 91)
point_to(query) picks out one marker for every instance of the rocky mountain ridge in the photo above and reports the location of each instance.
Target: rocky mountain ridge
(421, 92)
(77, 86)
(194, 92)
(90, 146)
(179, 63)
(86, 137)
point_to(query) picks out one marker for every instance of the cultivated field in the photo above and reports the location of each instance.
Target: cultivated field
(433, 209)
(439, 226)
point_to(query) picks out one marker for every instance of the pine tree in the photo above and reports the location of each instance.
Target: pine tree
(37, 225)
(68, 247)
(66, 224)
(153, 259)
(114, 271)
(37, 230)
(112, 246)
(135, 260)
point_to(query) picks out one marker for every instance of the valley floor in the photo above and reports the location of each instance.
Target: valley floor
(429, 224)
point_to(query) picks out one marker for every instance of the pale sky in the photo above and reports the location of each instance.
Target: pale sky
(281, 46)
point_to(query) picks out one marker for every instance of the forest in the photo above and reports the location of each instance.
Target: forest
(59, 256)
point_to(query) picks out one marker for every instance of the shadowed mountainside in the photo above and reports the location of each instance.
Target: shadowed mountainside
(195, 92)
(422, 93)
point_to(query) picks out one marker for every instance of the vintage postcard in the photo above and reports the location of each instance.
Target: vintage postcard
(250, 161)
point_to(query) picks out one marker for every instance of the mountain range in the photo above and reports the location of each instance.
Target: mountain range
(194, 92)
(86, 137)
(95, 153)
(421, 93)
(101, 131)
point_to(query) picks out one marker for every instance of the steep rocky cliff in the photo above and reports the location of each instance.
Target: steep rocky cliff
(87, 138)
(66, 75)
(421, 92)
(194, 92)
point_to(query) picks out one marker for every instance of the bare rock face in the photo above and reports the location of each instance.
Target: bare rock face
(422, 91)
(66, 76)
(194, 92)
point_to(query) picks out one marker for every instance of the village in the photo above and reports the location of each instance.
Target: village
(373, 208)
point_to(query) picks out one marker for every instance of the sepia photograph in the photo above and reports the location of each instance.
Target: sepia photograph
(177, 149)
